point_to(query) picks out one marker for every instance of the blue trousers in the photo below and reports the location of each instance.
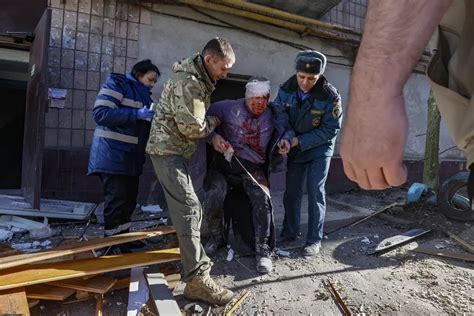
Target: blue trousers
(316, 172)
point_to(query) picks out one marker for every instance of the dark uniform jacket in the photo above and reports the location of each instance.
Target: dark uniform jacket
(118, 145)
(315, 121)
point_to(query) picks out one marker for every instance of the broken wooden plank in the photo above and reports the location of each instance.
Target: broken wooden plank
(237, 303)
(42, 273)
(14, 302)
(138, 292)
(397, 240)
(464, 244)
(337, 298)
(99, 307)
(123, 283)
(100, 284)
(444, 253)
(48, 292)
(64, 250)
(161, 294)
(356, 222)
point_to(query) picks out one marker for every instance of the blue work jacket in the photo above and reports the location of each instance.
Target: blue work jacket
(118, 145)
(316, 121)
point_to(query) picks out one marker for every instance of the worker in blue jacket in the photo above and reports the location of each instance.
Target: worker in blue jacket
(315, 116)
(122, 114)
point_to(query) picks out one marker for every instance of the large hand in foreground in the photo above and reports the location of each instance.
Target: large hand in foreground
(373, 142)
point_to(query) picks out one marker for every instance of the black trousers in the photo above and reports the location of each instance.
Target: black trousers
(120, 200)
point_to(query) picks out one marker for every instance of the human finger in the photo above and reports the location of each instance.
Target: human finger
(395, 174)
(349, 170)
(376, 179)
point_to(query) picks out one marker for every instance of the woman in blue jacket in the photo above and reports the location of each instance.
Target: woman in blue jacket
(315, 115)
(117, 154)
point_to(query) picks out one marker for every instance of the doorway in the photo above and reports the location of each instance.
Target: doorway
(13, 85)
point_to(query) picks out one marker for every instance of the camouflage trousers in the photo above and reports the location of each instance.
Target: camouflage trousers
(215, 190)
(185, 211)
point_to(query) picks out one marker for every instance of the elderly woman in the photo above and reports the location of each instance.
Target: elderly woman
(251, 126)
(315, 115)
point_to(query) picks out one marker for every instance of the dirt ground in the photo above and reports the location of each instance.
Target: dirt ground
(398, 282)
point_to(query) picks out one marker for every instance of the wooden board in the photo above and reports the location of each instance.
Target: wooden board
(397, 240)
(161, 294)
(100, 284)
(43, 273)
(48, 292)
(445, 253)
(99, 306)
(121, 284)
(65, 250)
(14, 302)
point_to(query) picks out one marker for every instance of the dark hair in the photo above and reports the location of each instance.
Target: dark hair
(219, 47)
(142, 67)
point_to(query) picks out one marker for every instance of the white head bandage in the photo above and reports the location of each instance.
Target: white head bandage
(256, 88)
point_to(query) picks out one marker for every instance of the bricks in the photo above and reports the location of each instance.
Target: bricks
(54, 79)
(79, 99)
(120, 47)
(67, 60)
(85, 6)
(93, 80)
(132, 49)
(106, 64)
(90, 99)
(67, 78)
(65, 118)
(54, 57)
(95, 43)
(93, 62)
(83, 22)
(77, 138)
(57, 18)
(96, 24)
(71, 5)
(64, 139)
(80, 77)
(109, 27)
(90, 123)
(78, 119)
(55, 37)
(80, 60)
(119, 65)
(109, 8)
(108, 45)
(50, 137)
(97, 7)
(133, 13)
(51, 118)
(132, 32)
(121, 29)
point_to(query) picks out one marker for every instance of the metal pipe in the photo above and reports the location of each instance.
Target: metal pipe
(271, 12)
(302, 29)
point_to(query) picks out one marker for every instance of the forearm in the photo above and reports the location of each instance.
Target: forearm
(395, 34)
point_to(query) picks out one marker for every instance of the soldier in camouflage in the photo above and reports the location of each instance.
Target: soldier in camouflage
(179, 123)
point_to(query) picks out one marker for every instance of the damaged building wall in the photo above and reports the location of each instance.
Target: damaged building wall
(91, 38)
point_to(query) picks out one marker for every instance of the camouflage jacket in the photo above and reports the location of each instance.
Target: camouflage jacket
(180, 119)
